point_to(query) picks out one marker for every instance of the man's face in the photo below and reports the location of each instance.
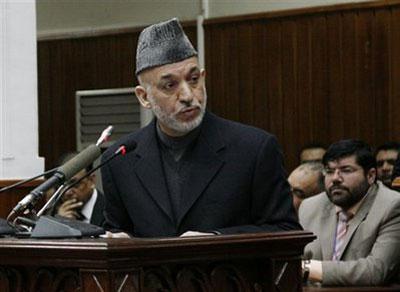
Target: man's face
(176, 94)
(304, 184)
(312, 154)
(83, 190)
(346, 183)
(385, 161)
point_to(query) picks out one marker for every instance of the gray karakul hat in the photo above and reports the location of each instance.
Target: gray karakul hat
(162, 43)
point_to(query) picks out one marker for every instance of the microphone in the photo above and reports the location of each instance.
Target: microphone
(105, 135)
(10, 187)
(63, 173)
(123, 149)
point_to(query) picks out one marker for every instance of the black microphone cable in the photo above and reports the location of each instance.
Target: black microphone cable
(10, 187)
(122, 150)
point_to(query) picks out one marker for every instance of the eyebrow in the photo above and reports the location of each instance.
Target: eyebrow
(166, 76)
(342, 166)
(169, 75)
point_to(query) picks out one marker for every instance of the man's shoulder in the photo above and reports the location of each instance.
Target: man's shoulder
(319, 199)
(386, 197)
(236, 130)
(133, 137)
(314, 205)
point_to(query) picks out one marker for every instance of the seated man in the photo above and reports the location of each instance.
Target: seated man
(357, 221)
(306, 181)
(312, 153)
(386, 156)
(83, 201)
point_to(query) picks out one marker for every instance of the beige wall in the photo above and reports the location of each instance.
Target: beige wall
(236, 7)
(55, 16)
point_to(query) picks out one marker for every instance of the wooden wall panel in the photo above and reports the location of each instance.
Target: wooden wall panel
(317, 75)
(308, 75)
(274, 85)
(394, 73)
(68, 64)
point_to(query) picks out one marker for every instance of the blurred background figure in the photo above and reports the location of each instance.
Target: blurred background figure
(386, 156)
(306, 181)
(83, 201)
(396, 175)
(312, 153)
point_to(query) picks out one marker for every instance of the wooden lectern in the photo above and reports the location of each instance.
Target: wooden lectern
(245, 262)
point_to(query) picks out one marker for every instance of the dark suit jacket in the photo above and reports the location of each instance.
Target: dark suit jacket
(236, 184)
(97, 214)
(97, 217)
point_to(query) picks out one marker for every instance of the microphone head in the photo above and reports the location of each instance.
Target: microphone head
(105, 135)
(79, 162)
(131, 145)
(126, 147)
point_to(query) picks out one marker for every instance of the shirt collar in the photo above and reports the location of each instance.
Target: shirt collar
(87, 209)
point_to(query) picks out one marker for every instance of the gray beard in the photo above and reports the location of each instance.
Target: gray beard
(174, 124)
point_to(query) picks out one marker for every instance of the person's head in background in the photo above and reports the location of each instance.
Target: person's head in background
(306, 181)
(385, 156)
(82, 191)
(349, 172)
(312, 153)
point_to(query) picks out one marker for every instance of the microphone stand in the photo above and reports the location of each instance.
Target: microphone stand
(10, 187)
(65, 187)
(53, 199)
(28, 224)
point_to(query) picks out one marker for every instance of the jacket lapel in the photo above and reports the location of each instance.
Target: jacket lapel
(328, 230)
(358, 218)
(149, 169)
(97, 214)
(204, 165)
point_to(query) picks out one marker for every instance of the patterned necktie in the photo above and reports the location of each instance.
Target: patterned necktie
(341, 230)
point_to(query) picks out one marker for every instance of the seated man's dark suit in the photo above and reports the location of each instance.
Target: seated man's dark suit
(97, 217)
(236, 183)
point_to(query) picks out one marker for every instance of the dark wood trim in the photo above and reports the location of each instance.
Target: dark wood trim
(245, 262)
(10, 198)
(302, 11)
(98, 32)
(352, 289)
(34, 183)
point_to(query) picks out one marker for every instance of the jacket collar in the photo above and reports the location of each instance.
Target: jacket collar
(204, 164)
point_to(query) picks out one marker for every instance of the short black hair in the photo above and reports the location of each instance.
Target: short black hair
(345, 148)
(392, 145)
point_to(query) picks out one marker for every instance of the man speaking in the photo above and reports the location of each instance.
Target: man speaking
(192, 172)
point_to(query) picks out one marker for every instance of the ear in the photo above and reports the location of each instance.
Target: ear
(92, 178)
(203, 73)
(371, 176)
(141, 95)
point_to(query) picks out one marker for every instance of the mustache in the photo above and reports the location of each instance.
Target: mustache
(338, 187)
(188, 106)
